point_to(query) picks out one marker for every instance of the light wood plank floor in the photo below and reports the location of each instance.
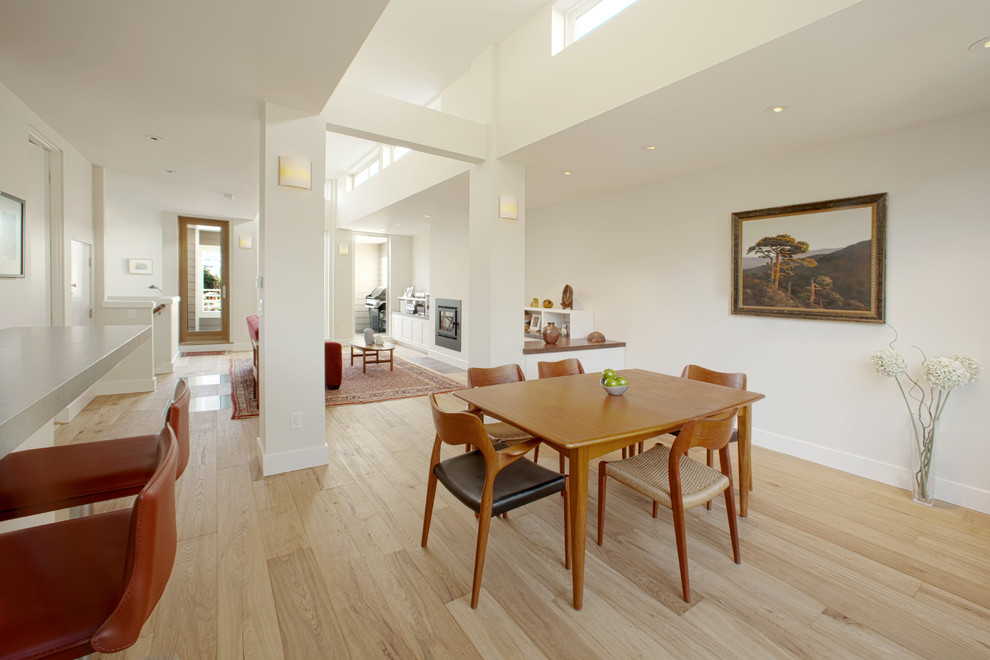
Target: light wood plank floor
(326, 562)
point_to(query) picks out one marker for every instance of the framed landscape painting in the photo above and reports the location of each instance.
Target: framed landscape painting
(823, 260)
(11, 236)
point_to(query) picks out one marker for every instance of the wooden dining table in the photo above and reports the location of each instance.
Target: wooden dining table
(575, 416)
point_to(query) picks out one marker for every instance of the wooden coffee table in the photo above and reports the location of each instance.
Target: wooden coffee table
(376, 351)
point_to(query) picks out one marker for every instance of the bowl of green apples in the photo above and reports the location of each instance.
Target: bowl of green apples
(614, 384)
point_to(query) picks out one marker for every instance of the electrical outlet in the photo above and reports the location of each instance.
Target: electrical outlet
(295, 420)
(131, 314)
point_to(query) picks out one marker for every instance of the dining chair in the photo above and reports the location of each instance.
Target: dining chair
(490, 480)
(735, 380)
(568, 367)
(499, 431)
(89, 584)
(53, 478)
(670, 477)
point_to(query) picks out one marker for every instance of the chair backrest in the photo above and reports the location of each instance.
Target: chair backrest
(568, 367)
(483, 376)
(694, 372)
(253, 324)
(150, 555)
(708, 432)
(458, 428)
(178, 419)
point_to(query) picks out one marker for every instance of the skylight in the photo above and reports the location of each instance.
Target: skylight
(573, 19)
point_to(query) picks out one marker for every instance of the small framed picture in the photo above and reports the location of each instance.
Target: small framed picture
(11, 236)
(140, 266)
(534, 323)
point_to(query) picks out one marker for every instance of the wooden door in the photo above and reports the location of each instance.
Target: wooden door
(204, 281)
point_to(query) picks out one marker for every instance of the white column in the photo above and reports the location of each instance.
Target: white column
(497, 266)
(291, 298)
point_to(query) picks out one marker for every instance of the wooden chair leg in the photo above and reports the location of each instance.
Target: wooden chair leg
(431, 492)
(562, 471)
(601, 501)
(567, 523)
(484, 524)
(730, 507)
(536, 454)
(625, 452)
(656, 508)
(640, 447)
(677, 508)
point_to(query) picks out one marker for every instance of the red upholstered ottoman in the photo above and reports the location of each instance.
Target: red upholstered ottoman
(333, 362)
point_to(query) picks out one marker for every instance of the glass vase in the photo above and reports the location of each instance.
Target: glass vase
(922, 455)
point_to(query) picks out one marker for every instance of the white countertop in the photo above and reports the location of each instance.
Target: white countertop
(42, 370)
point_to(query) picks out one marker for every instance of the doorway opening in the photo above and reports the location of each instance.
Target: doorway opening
(370, 282)
(46, 227)
(81, 285)
(204, 265)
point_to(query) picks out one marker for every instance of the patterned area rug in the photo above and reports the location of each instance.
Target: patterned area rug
(199, 353)
(379, 384)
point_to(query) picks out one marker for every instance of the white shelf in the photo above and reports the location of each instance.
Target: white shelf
(580, 321)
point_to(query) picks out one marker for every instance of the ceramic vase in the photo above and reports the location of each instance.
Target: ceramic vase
(551, 333)
(369, 336)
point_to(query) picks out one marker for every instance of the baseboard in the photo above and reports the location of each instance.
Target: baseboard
(69, 413)
(126, 386)
(164, 368)
(898, 476)
(447, 359)
(288, 461)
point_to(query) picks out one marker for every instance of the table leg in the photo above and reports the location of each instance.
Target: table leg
(352, 356)
(578, 460)
(745, 459)
(391, 357)
(364, 362)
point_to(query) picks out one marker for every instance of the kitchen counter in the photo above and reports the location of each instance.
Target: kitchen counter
(42, 370)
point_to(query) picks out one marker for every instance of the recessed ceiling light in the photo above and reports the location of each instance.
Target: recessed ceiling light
(398, 225)
(776, 109)
(169, 171)
(154, 138)
(567, 173)
(228, 195)
(981, 46)
(649, 147)
(426, 215)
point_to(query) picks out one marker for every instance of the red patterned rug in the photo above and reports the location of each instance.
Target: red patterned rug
(198, 353)
(379, 384)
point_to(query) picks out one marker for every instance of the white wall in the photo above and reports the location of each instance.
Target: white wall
(16, 120)
(649, 45)
(449, 263)
(421, 261)
(133, 231)
(666, 293)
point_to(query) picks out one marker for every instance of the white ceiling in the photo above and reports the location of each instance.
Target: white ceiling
(106, 73)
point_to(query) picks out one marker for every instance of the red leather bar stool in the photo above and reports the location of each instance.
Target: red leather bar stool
(89, 584)
(52, 478)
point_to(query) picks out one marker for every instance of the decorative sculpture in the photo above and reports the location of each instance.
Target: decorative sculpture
(596, 337)
(567, 299)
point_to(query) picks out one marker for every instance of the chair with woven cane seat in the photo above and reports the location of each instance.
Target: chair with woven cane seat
(499, 431)
(53, 478)
(490, 480)
(568, 367)
(670, 477)
(735, 380)
(88, 584)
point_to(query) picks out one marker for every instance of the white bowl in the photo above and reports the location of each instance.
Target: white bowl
(615, 390)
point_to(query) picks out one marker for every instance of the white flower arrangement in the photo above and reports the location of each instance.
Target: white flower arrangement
(925, 406)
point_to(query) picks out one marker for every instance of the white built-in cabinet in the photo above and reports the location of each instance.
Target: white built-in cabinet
(411, 330)
(580, 322)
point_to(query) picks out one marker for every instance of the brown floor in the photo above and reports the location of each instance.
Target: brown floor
(326, 562)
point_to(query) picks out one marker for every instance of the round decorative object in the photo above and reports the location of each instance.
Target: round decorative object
(548, 303)
(596, 337)
(551, 333)
(379, 340)
(567, 298)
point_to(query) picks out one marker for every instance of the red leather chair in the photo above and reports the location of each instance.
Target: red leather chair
(333, 363)
(52, 478)
(89, 584)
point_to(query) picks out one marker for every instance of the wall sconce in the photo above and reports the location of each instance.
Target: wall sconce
(294, 172)
(507, 207)
(245, 242)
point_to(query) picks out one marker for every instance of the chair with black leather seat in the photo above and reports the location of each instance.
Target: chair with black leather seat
(89, 584)
(491, 480)
(499, 431)
(670, 477)
(53, 478)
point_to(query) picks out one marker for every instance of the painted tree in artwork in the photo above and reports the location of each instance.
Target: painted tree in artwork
(819, 282)
(782, 253)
